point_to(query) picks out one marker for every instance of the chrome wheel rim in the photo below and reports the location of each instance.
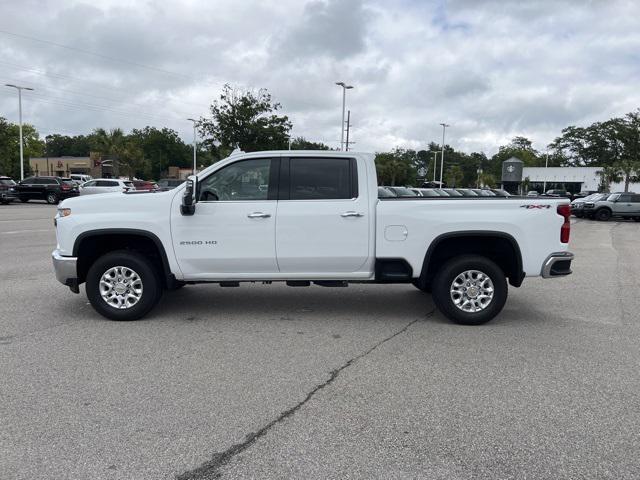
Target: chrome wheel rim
(121, 287)
(472, 291)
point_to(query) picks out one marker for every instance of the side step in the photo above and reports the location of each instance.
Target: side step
(298, 283)
(229, 284)
(331, 283)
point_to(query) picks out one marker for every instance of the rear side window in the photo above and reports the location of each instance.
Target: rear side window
(321, 178)
(624, 198)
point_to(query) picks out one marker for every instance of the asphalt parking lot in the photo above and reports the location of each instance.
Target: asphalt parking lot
(363, 382)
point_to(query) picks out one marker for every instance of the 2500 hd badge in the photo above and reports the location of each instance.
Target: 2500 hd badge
(199, 242)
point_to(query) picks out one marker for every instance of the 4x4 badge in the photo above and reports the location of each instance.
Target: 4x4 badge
(529, 207)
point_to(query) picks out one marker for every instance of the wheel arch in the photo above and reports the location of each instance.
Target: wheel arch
(92, 244)
(478, 242)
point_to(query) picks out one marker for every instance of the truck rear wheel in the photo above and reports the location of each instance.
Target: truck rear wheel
(123, 285)
(470, 289)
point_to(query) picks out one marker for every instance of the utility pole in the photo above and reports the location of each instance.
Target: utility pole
(345, 87)
(195, 122)
(20, 124)
(444, 126)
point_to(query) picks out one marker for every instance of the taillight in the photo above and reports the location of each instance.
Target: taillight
(565, 229)
(64, 186)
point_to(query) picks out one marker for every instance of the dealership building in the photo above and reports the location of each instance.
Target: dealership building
(540, 179)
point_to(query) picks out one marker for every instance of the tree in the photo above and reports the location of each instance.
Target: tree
(301, 143)
(396, 167)
(454, 176)
(246, 120)
(487, 180)
(162, 148)
(10, 147)
(131, 159)
(108, 143)
(608, 175)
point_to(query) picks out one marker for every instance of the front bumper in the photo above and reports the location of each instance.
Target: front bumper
(6, 196)
(66, 271)
(557, 264)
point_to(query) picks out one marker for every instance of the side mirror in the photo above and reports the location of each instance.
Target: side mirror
(188, 198)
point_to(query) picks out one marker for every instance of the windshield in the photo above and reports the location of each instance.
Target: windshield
(7, 181)
(613, 198)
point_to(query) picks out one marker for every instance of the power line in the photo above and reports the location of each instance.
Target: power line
(69, 77)
(95, 54)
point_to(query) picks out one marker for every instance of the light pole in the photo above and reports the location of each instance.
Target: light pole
(546, 166)
(20, 123)
(195, 122)
(435, 164)
(444, 126)
(345, 87)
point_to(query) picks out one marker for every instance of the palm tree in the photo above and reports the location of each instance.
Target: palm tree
(608, 175)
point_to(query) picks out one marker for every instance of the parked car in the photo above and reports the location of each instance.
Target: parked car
(402, 191)
(466, 192)
(500, 192)
(429, 192)
(532, 193)
(452, 192)
(584, 194)
(80, 178)
(106, 185)
(483, 192)
(577, 205)
(7, 190)
(165, 184)
(559, 193)
(50, 189)
(145, 185)
(384, 192)
(624, 205)
(128, 250)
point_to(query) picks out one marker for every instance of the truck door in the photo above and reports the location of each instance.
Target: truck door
(232, 231)
(323, 218)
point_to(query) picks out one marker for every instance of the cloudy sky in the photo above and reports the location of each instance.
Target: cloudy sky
(491, 69)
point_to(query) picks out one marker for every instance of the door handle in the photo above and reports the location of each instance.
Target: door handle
(259, 215)
(351, 213)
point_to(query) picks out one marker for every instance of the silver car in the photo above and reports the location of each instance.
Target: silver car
(625, 205)
(106, 185)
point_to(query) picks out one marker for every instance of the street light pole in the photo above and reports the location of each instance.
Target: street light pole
(345, 87)
(435, 164)
(546, 166)
(20, 123)
(444, 126)
(195, 122)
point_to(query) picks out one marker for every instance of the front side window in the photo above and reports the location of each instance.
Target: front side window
(245, 180)
(92, 183)
(319, 178)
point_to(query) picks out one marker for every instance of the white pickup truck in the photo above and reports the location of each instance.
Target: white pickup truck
(305, 217)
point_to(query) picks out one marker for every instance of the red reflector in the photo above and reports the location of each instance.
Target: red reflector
(565, 229)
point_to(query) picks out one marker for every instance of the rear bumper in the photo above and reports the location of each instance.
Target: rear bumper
(66, 270)
(557, 264)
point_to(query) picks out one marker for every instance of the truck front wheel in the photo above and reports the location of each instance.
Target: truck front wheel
(123, 285)
(470, 289)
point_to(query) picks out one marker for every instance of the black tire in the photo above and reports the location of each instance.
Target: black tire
(603, 214)
(449, 272)
(424, 287)
(24, 200)
(51, 198)
(578, 215)
(151, 286)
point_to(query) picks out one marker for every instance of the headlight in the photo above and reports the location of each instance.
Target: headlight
(64, 212)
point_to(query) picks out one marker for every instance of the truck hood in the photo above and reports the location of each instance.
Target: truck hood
(117, 202)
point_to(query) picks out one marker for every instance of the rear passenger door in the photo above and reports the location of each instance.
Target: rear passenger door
(624, 205)
(323, 217)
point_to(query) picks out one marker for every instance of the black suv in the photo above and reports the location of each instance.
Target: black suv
(50, 189)
(7, 190)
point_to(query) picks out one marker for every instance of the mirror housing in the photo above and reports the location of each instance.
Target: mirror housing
(188, 206)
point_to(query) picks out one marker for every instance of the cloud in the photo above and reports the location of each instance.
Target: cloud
(491, 69)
